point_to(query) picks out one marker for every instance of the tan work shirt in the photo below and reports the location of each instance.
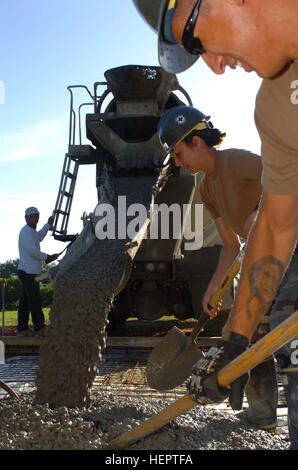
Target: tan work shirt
(233, 189)
(276, 117)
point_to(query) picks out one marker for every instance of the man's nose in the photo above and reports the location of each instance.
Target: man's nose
(215, 62)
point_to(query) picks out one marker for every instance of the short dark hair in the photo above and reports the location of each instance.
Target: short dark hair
(212, 137)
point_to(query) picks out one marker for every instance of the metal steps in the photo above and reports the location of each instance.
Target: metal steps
(65, 195)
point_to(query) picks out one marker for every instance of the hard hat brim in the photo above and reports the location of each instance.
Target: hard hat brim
(173, 58)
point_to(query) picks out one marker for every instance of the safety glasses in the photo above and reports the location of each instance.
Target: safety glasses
(190, 43)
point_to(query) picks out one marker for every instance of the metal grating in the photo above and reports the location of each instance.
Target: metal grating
(124, 373)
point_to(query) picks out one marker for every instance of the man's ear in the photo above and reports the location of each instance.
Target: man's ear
(196, 141)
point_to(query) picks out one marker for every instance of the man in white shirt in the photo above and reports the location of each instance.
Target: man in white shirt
(29, 267)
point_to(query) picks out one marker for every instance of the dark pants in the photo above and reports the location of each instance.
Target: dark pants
(262, 394)
(30, 301)
(285, 305)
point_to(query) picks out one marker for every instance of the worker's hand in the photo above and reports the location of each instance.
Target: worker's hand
(212, 311)
(203, 386)
(51, 220)
(51, 258)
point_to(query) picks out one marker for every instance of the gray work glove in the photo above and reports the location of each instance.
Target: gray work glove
(203, 386)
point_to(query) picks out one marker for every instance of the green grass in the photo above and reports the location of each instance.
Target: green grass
(11, 317)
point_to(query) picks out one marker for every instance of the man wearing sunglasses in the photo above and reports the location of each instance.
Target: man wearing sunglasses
(260, 36)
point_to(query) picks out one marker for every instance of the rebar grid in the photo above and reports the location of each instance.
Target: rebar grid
(121, 372)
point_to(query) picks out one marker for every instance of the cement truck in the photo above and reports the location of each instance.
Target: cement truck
(166, 270)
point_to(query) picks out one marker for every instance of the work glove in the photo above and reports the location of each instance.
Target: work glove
(203, 387)
(51, 220)
(51, 258)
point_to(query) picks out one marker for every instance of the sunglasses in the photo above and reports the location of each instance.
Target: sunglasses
(190, 43)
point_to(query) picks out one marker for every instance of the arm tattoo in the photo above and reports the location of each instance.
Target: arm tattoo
(264, 279)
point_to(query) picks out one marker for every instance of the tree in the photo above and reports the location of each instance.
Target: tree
(8, 268)
(8, 272)
(13, 289)
(12, 292)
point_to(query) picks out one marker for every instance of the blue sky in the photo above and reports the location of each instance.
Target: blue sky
(46, 45)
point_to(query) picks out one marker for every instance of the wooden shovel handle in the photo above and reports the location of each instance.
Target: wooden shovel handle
(263, 348)
(8, 389)
(233, 270)
(266, 346)
(202, 320)
(204, 317)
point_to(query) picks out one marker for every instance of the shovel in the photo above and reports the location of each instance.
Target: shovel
(171, 361)
(8, 389)
(262, 349)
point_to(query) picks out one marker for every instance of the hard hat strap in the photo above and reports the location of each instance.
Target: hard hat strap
(198, 127)
(166, 28)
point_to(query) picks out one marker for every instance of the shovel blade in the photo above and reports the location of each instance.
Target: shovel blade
(170, 363)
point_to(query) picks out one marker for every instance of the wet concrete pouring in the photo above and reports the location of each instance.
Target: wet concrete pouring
(120, 400)
(86, 280)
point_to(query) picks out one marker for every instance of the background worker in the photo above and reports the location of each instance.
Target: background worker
(230, 190)
(259, 36)
(29, 267)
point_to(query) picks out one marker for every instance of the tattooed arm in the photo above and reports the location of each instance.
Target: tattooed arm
(269, 250)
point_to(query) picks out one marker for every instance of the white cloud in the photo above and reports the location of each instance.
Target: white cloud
(41, 139)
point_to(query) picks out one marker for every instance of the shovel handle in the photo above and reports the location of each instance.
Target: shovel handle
(204, 317)
(233, 270)
(8, 389)
(263, 348)
(202, 320)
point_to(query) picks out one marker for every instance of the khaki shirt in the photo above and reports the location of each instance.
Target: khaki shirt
(233, 189)
(276, 117)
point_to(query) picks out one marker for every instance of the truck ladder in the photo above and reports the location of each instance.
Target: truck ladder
(65, 195)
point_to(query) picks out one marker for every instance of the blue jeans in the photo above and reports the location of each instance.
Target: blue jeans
(285, 304)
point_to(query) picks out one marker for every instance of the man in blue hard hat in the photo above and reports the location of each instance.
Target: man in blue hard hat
(260, 36)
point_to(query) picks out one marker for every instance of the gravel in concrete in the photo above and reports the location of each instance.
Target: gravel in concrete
(25, 425)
